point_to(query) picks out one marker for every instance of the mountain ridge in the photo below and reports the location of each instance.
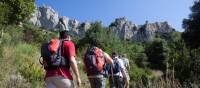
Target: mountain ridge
(47, 18)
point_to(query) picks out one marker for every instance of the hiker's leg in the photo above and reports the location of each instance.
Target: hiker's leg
(120, 82)
(92, 82)
(49, 83)
(97, 82)
(128, 80)
(126, 84)
(62, 82)
(101, 82)
(111, 82)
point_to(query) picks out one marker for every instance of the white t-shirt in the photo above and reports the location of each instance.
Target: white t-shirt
(126, 62)
(122, 67)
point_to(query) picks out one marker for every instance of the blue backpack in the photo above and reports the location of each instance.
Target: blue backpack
(115, 67)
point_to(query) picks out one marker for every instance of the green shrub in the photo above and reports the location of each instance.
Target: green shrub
(11, 34)
(26, 58)
(9, 75)
(137, 73)
(37, 35)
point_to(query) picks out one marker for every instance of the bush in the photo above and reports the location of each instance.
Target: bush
(16, 11)
(9, 75)
(139, 73)
(37, 35)
(27, 63)
(20, 67)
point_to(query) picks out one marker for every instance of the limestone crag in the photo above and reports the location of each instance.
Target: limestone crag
(49, 19)
(123, 28)
(45, 17)
(127, 30)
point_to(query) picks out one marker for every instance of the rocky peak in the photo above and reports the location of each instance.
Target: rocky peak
(162, 27)
(49, 19)
(126, 30)
(123, 28)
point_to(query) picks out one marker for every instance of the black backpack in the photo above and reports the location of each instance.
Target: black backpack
(52, 61)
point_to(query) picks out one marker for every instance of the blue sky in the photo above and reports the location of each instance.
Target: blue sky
(137, 11)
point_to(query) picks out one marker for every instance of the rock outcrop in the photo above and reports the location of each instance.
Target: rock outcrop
(49, 19)
(45, 17)
(126, 30)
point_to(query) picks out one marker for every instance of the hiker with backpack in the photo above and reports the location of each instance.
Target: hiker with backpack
(58, 57)
(127, 66)
(117, 72)
(94, 64)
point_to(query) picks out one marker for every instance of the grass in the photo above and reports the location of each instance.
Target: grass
(9, 76)
(19, 66)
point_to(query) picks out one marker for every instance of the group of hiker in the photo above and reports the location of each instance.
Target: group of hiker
(58, 56)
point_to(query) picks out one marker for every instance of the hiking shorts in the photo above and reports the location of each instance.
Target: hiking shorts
(99, 82)
(58, 82)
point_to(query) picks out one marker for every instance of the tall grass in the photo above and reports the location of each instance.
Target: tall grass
(27, 57)
(19, 63)
(9, 76)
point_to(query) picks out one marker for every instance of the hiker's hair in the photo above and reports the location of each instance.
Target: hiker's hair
(94, 43)
(65, 35)
(114, 53)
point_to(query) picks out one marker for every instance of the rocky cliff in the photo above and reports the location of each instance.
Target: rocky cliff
(127, 30)
(49, 19)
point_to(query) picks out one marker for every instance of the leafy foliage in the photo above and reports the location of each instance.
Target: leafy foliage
(191, 38)
(16, 11)
(158, 54)
(37, 35)
(192, 28)
(103, 37)
(4, 15)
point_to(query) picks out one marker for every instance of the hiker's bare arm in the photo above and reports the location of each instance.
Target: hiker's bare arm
(108, 58)
(123, 73)
(74, 66)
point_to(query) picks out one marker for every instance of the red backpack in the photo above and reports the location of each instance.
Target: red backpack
(94, 61)
(51, 55)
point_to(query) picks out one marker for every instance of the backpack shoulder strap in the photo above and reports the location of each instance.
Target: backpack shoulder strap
(60, 48)
(63, 50)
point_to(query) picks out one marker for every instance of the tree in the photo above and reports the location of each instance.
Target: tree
(191, 35)
(141, 60)
(19, 10)
(104, 37)
(158, 54)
